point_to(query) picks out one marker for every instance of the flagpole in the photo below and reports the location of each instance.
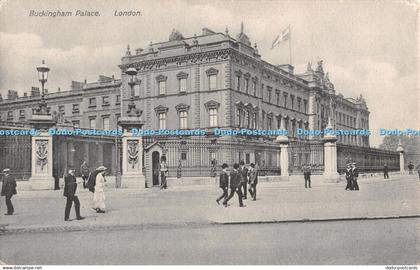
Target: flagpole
(290, 46)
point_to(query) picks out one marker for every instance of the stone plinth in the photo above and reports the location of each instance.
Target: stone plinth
(42, 164)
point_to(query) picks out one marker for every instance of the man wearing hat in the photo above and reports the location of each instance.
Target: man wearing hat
(349, 177)
(70, 186)
(99, 193)
(8, 190)
(355, 175)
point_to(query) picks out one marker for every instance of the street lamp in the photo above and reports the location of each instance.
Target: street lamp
(43, 70)
(131, 106)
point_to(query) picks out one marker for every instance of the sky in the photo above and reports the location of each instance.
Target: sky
(368, 47)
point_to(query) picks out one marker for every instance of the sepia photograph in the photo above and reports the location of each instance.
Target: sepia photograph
(209, 133)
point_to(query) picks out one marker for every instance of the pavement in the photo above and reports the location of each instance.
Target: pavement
(190, 206)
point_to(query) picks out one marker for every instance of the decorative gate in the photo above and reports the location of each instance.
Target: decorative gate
(305, 152)
(15, 153)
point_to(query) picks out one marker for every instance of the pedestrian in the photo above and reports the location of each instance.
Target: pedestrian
(355, 175)
(349, 177)
(235, 186)
(99, 193)
(418, 170)
(386, 175)
(84, 171)
(223, 183)
(307, 175)
(70, 187)
(243, 174)
(163, 174)
(410, 168)
(253, 181)
(8, 190)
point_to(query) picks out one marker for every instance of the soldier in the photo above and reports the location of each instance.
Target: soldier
(349, 177)
(223, 183)
(410, 168)
(253, 181)
(235, 186)
(355, 175)
(386, 175)
(8, 190)
(243, 174)
(70, 187)
(84, 171)
(163, 174)
(307, 175)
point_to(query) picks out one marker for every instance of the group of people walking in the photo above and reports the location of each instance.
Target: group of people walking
(352, 173)
(238, 180)
(94, 181)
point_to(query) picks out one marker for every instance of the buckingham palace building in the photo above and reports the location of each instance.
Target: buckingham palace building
(207, 81)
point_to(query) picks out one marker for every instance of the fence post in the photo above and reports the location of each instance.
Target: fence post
(284, 154)
(400, 150)
(330, 156)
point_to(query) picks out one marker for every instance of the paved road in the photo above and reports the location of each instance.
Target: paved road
(344, 242)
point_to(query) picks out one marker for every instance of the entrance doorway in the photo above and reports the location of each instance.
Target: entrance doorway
(155, 167)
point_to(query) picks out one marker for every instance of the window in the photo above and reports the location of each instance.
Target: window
(298, 103)
(61, 109)
(292, 99)
(254, 120)
(92, 122)
(247, 119)
(254, 87)
(212, 82)
(247, 85)
(105, 100)
(269, 122)
(162, 87)
(117, 117)
(75, 108)
(238, 82)
(269, 90)
(21, 113)
(48, 110)
(183, 120)
(213, 117)
(162, 120)
(247, 158)
(305, 106)
(277, 97)
(182, 85)
(285, 99)
(118, 100)
(105, 122)
(238, 117)
(76, 123)
(92, 102)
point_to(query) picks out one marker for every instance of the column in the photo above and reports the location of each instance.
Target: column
(283, 141)
(400, 150)
(42, 165)
(330, 156)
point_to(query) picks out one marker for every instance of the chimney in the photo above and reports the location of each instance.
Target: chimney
(58, 90)
(139, 51)
(207, 32)
(75, 85)
(104, 79)
(35, 91)
(12, 94)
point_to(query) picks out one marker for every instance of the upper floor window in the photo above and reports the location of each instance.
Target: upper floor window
(183, 119)
(238, 117)
(247, 119)
(285, 99)
(277, 97)
(105, 100)
(76, 123)
(269, 90)
(269, 122)
(238, 75)
(305, 106)
(118, 99)
(182, 81)
(21, 113)
(75, 108)
(292, 99)
(105, 122)
(162, 120)
(61, 109)
(161, 81)
(254, 88)
(92, 122)
(92, 102)
(213, 117)
(212, 78)
(254, 120)
(247, 85)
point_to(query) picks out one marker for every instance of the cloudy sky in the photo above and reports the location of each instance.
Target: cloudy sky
(368, 47)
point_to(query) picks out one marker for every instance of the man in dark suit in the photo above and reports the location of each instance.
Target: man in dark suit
(8, 190)
(84, 171)
(253, 181)
(223, 183)
(386, 175)
(235, 186)
(349, 177)
(69, 192)
(355, 175)
(243, 174)
(307, 175)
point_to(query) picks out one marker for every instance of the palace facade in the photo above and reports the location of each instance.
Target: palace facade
(206, 81)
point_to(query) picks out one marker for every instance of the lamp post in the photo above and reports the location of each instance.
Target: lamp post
(131, 106)
(43, 70)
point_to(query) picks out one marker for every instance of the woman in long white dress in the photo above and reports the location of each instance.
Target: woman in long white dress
(99, 194)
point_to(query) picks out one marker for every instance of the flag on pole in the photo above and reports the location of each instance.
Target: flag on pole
(284, 35)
